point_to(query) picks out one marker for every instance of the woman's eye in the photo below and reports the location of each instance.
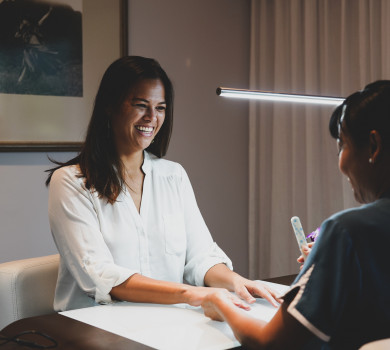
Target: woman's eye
(160, 108)
(141, 105)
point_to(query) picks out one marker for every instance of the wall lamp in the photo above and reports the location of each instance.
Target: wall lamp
(272, 96)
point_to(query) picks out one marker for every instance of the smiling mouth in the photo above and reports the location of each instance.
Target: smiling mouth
(145, 129)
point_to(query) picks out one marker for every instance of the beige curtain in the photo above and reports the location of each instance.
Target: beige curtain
(319, 47)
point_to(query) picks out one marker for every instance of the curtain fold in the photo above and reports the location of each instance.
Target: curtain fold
(319, 47)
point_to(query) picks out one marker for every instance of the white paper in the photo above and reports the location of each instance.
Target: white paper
(173, 327)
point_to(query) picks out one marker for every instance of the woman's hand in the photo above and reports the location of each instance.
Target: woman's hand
(210, 302)
(307, 251)
(283, 331)
(221, 276)
(194, 296)
(248, 290)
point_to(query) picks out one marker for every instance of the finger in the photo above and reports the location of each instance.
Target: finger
(240, 303)
(243, 293)
(272, 298)
(268, 294)
(275, 295)
(232, 298)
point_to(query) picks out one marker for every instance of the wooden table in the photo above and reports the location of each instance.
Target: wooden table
(75, 335)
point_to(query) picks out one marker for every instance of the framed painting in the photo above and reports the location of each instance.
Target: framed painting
(53, 54)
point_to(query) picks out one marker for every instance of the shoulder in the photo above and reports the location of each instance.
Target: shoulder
(67, 174)
(164, 167)
(67, 171)
(361, 215)
(372, 217)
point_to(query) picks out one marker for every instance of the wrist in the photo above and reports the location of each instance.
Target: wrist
(237, 281)
(187, 294)
(219, 300)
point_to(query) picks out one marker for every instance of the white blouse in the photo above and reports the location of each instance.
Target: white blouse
(101, 245)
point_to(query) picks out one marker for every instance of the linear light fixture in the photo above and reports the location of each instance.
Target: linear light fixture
(279, 97)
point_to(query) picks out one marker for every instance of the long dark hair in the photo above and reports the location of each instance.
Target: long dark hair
(363, 111)
(98, 159)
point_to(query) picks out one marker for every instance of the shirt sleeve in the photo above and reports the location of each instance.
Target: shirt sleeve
(327, 284)
(76, 231)
(202, 252)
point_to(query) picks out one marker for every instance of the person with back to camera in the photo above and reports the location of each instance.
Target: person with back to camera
(340, 299)
(124, 220)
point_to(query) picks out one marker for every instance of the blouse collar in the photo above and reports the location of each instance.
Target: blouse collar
(147, 164)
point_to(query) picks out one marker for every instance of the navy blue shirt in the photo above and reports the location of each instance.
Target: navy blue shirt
(342, 294)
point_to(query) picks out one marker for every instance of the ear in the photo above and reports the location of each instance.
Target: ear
(375, 145)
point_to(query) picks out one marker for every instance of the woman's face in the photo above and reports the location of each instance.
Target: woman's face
(353, 163)
(140, 117)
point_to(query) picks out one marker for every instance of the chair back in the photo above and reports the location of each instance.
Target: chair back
(383, 344)
(27, 288)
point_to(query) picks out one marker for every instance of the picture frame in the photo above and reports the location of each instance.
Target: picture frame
(43, 123)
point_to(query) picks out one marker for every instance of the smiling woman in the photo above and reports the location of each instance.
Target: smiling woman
(134, 128)
(140, 117)
(125, 221)
(360, 138)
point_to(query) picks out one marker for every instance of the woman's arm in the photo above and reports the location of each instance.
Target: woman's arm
(143, 289)
(221, 276)
(206, 263)
(282, 332)
(139, 288)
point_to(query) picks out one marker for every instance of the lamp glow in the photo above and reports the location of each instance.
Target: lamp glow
(279, 97)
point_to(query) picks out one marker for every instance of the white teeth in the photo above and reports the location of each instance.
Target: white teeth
(145, 128)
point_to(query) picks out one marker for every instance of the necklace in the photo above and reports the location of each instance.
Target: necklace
(134, 183)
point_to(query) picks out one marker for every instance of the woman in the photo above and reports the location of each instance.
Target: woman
(125, 221)
(340, 299)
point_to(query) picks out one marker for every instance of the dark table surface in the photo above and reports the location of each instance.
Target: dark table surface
(76, 335)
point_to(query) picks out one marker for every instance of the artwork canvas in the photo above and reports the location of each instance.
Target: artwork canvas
(53, 54)
(41, 48)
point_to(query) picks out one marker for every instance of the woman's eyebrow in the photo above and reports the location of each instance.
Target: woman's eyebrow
(139, 99)
(144, 100)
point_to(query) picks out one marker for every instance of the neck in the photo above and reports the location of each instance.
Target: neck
(381, 180)
(383, 191)
(132, 162)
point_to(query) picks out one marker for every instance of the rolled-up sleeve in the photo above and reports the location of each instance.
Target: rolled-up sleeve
(75, 226)
(202, 252)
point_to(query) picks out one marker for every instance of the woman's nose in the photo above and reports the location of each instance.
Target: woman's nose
(150, 114)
